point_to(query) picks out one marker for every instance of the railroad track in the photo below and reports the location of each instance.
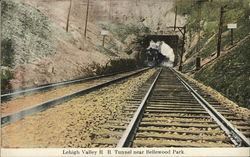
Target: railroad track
(12, 94)
(168, 112)
(50, 99)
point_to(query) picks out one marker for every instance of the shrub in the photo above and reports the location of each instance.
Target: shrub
(7, 53)
(6, 76)
(113, 66)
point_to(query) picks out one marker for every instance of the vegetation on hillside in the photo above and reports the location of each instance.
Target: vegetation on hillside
(230, 75)
(27, 36)
(7, 58)
(121, 32)
(113, 66)
(128, 36)
(235, 12)
(27, 31)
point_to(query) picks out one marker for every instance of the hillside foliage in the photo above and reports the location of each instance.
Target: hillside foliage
(235, 12)
(229, 74)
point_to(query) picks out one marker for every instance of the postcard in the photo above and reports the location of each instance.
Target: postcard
(103, 78)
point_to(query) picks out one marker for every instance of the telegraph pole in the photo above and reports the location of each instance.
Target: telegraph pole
(183, 48)
(86, 21)
(67, 23)
(183, 31)
(222, 11)
(110, 10)
(198, 59)
(136, 2)
(199, 26)
(175, 18)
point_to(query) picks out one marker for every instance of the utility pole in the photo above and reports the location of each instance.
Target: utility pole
(222, 11)
(198, 59)
(199, 26)
(183, 31)
(175, 18)
(110, 10)
(183, 48)
(86, 21)
(136, 2)
(67, 23)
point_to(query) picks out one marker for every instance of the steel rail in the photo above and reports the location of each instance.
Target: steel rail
(43, 106)
(36, 89)
(129, 133)
(233, 133)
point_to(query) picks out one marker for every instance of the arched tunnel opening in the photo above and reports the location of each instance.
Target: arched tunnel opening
(168, 50)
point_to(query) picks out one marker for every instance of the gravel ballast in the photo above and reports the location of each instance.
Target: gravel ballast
(74, 123)
(22, 103)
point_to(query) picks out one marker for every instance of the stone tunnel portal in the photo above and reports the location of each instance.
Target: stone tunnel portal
(171, 40)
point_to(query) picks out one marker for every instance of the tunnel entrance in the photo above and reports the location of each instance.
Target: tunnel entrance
(171, 40)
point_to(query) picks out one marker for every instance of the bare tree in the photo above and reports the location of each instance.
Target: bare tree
(67, 24)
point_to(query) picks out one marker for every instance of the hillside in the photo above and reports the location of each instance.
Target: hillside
(228, 73)
(234, 12)
(38, 50)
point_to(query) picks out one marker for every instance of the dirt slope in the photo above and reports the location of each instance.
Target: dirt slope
(43, 52)
(69, 52)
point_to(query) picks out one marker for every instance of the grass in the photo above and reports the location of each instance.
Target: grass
(229, 75)
(235, 12)
(190, 66)
(239, 33)
(105, 51)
